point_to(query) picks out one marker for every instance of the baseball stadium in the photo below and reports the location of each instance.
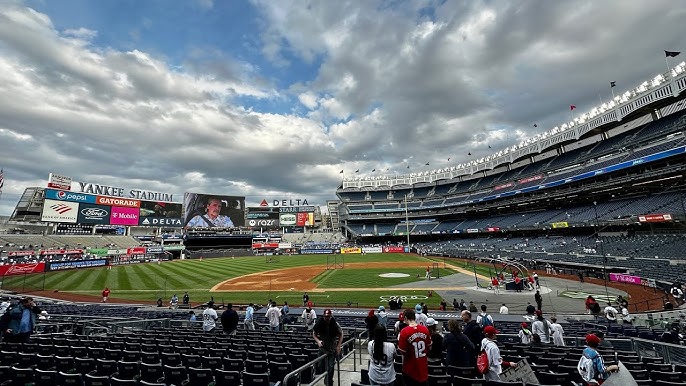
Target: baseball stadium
(593, 208)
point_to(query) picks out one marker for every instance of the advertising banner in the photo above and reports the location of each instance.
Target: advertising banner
(116, 201)
(61, 251)
(155, 249)
(393, 249)
(117, 251)
(93, 214)
(261, 213)
(472, 230)
(625, 278)
(61, 195)
(317, 251)
(264, 222)
(351, 250)
(371, 249)
(61, 265)
(21, 253)
(265, 245)
(561, 224)
(135, 251)
(59, 211)
(503, 186)
(59, 182)
(123, 216)
(655, 218)
(98, 251)
(205, 211)
(285, 245)
(288, 219)
(21, 269)
(493, 229)
(305, 219)
(160, 222)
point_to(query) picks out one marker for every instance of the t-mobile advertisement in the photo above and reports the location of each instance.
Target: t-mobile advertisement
(124, 216)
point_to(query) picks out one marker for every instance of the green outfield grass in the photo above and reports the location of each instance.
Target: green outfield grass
(147, 282)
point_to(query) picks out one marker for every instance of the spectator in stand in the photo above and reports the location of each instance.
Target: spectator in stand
(382, 317)
(604, 343)
(400, 324)
(174, 302)
(309, 317)
(495, 360)
(413, 342)
(306, 298)
(328, 335)
(530, 309)
(558, 332)
(472, 307)
(229, 320)
(456, 305)
(459, 349)
(159, 302)
(186, 299)
(610, 313)
(381, 353)
(598, 372)
(436, 351)
(524, 333)
(472, 331)
(209, 317)
(371, 321)
(18, 321)
(273, 315)
(249, 321)
(192, 316)
(420, 317)
(541, 327)
(504, 310)
(539, 300)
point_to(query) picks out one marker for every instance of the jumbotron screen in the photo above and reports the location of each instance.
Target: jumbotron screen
(213, 211)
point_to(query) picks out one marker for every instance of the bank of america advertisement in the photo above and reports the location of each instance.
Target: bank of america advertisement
(60, 211)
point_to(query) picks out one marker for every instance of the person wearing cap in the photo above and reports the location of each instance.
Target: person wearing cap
(420, 316)
(19, 321)
(541, 327)
(328, 335)
(400, 324)
(414, 342)
(459, 349)
(209, 317)
(436, 351)
(309, 316)
(381, 353)
(249, 320)
(382, 316)
(597, 373)
(495, 360)
(371, 321)
(105, 294)
(229, 320)
(524, 333)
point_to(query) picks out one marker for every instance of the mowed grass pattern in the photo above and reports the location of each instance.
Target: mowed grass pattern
(146, 282)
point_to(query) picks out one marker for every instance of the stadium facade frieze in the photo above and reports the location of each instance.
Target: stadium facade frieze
(113, 191)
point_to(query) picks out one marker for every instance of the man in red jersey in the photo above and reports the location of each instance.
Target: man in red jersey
(414, 342)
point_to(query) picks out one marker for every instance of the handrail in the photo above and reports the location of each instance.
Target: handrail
(312, 363)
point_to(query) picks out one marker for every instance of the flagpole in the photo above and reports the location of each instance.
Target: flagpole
(612, 90)
(669, 69)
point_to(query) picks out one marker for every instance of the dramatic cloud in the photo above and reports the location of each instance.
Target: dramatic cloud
(272, 99)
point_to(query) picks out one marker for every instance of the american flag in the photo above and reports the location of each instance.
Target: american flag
(2, 179)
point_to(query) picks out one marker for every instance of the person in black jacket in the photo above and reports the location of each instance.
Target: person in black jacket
(459, 349)
(472, 330)
(229, 320)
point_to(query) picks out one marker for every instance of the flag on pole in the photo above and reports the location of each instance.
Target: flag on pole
(408, 166)
(357, 171)
(612, 84)
(341, 172)
(572, 107)
(427, 164)
(448, 159)
(671, 54)
(470, 153)
(535, 125)
(373, 170)
(2, 178)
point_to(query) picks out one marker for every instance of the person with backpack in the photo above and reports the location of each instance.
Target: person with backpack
(591, 366)
(484, 319)
(472, 331)
(542, 328)
(492, 351)
(459, 349)
(382, 316)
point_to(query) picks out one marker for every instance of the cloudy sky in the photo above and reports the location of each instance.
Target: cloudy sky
(272, 99)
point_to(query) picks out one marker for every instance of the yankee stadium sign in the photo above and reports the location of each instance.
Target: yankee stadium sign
(112, 191)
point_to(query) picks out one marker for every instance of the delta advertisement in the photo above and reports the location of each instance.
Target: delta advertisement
(158, 213)
(21, 269)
